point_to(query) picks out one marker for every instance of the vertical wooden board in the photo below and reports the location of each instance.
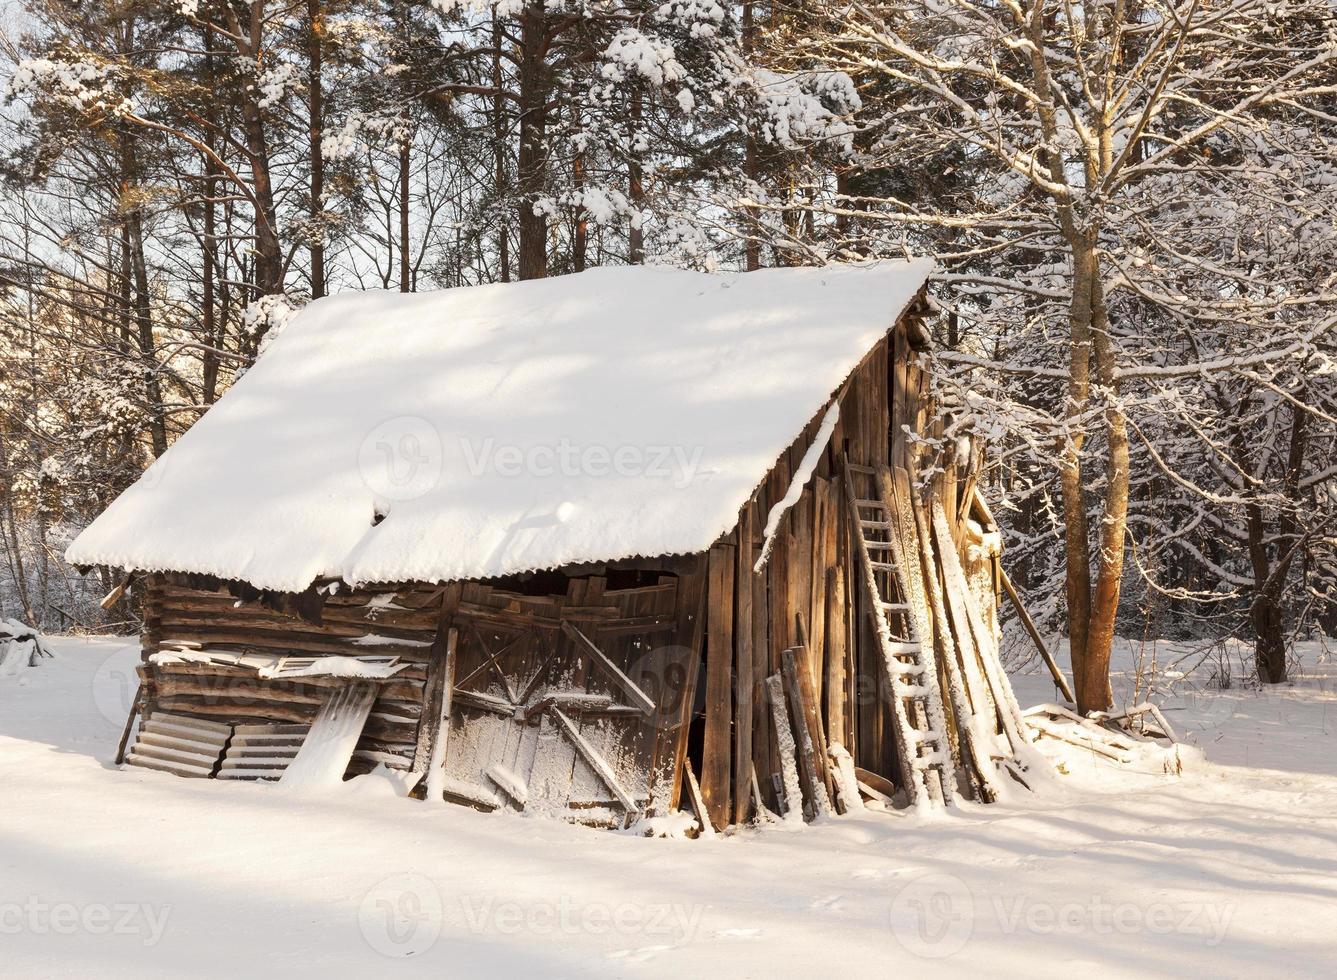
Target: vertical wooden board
(742, 678)
(680, 663)
(800, 568)
(429, 721)
(764, 749)
(823, 560)
(898, 408)
(812, 719)
(835, 682)
(717, 747)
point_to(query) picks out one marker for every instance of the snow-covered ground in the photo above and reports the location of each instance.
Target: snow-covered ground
(1228, 869)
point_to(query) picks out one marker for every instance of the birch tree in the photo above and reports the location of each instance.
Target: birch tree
(1093, 136)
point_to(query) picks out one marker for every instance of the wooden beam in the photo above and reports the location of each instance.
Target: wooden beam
(698, 804)
(716, 753)
(791, 803)
(742, 679)
(809, 773)
(596, 761)
(639, 698)
(436, 772)
(1034, 632)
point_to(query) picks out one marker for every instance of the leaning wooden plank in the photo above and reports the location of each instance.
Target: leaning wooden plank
(323, 758)
(628, 687)
(135, 707)
(596, 761)
(791, 806)
(974, 741)
(1034, 633)
(806, 673)
(510, 783)
(847, 782)
(809, 774)
(763, 815)
(436, 766)
(958, 589)
(698, 804)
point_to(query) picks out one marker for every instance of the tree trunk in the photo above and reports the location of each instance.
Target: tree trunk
(1267, 614)
(405, 285)
(636, 190)
(1076, 534)
(209, 361)
(751, 248)
(580, 238)
(209, 364)
(499, 147)
(316, 111)
(533, 157)
(132, 215)
(268, 249)
(1092, 685)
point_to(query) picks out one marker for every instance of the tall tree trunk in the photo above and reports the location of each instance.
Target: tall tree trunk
(499, 146)
(636, 188)
(1092, 685)
(316, 112)
(1076, 534)
(132, 215)
(752, 248)
(209, 255)
(580, 237)
(533, 157)
(268, 249)
(209, 362)
(1267, 613)
(405, 282)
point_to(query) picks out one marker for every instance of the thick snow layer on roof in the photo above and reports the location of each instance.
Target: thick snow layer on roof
(477, 432)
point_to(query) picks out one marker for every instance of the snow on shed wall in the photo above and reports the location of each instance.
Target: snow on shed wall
(502, 428)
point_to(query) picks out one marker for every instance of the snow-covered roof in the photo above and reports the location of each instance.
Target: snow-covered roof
(496, 429)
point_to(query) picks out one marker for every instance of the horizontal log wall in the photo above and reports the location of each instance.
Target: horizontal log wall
(178, 615)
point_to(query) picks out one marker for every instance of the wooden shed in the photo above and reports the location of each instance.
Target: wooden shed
(578, 547)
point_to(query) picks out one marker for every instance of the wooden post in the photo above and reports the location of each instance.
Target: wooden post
(717, 748)
(130, 724)
(742, 678)
(436, 768)
(809, 769)
(1026, 621)
(791, 804)
(835, 656)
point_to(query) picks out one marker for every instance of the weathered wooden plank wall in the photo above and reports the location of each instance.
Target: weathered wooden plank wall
(398, 621)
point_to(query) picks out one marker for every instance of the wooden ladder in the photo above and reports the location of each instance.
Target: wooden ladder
(885, 550)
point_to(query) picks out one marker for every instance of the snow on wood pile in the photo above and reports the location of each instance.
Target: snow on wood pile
(496, 429)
